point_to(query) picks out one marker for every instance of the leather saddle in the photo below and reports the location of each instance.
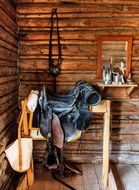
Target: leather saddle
(71, 109)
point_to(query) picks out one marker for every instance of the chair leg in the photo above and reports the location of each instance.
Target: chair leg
(30, 174)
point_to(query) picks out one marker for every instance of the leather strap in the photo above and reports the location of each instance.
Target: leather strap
(68, 170)
(55, 176)
(54, 69)
(49, 125)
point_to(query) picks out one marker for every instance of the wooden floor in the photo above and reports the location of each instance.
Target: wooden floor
(127, 178)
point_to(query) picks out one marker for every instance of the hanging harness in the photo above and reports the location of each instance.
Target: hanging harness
(54, 68)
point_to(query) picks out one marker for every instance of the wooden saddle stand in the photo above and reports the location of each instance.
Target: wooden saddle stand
(107, 175)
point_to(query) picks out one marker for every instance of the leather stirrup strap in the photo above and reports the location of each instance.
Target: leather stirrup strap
(62, 182)
(54, 69)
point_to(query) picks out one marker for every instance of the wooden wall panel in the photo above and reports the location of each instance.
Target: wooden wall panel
(8, 87)
(80, 23)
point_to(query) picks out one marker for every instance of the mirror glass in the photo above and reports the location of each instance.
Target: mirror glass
(114, 52)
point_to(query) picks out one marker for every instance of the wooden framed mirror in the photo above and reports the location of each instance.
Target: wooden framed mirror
(114, 51)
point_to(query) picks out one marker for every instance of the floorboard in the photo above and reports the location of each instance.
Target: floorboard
(126, 176)
(129, 176)
(88, 181)
(98, 169)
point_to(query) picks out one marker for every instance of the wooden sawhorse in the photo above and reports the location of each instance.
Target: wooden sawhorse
(102, 107)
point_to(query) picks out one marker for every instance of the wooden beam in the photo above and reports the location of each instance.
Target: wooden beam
(106, 136)
(112, 182)
(104, 107)
(30, 171)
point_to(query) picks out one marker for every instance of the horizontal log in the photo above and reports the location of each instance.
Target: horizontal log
(8, 97)
(122, 127)
(8, 87)
(6, 28)
(12, 126)
(67, 65)
(96, 31)
(117, 158)
(80, 23)
(90, 146)
(125, 105)
(43, 77)
(45, 35)
(128, 2)
(8, 117)
(34, 65)
(129, 137)
(8, 46)
(8, 21)
(9, 103)
(7, 63)
(79, 157)
(7, 37)
(126, 138)
(46, 8)
(8, 54)
(77, 15)
(97, 158)
(62, 42)
(125, 113)
(8, 9)
(8, 78)
(115, 121)
(73, 57)
(69, 50)
(8, 71)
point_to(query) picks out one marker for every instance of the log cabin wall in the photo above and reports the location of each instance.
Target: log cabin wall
(80, 23)
(8, 86)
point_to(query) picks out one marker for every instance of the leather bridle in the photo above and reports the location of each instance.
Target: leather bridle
(54, 68)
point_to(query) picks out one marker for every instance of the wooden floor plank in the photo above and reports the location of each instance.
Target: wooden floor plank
(126, 176)
(89, 177)
(117, 177)
(136, 167)
(67, 180)
(50, 183)
(98, 169)
(129, 176)
(78, 181)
